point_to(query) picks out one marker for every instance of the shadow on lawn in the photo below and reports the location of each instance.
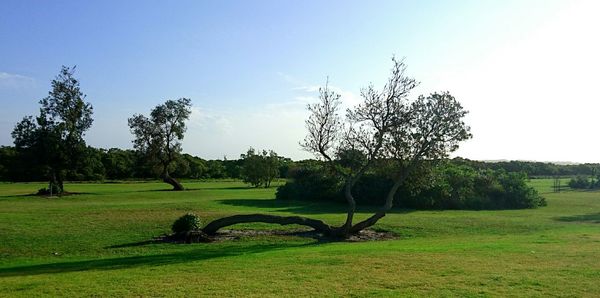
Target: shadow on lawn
(35, 195)
(593, 218)
(191, 189)
(228, 188)
(205, 253)
(303, 207)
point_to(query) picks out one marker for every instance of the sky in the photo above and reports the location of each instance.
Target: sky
(527, 71)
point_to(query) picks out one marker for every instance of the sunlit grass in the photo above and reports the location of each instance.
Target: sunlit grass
(93, 243)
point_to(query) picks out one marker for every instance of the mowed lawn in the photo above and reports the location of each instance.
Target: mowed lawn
(96, 243)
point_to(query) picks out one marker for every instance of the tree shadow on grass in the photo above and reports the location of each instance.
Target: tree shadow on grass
(136, 244)
(228, 188)
(205, 253)
(303, 207)
(192, 189)
(592, 218)
(35, 195)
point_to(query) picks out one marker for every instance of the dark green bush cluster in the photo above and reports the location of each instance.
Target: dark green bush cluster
(460, 187)
(186, 223)
(443, 187)
(311, 183)
(47, 191)
(584, 182)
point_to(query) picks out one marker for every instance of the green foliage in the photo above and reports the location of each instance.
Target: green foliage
(53, 189)
(534, 169)
(447, 186)
(584, 182)
(189, 166)
(52, 142)
(215, 169)
(119, 164)
(186, 223)
(158, 137)
(311, 182)
(259, 168)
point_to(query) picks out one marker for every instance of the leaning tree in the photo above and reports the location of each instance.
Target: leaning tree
(158, 138)
(386, 130)
(53, 141)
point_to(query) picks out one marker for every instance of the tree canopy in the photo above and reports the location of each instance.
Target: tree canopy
(159, 136)
(386, 130)
(53, 141)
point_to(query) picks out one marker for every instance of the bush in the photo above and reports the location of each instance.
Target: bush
(516, 194)
(311, 184)
(186, 223)
(46, 191)
(580, 182)
(448, 186)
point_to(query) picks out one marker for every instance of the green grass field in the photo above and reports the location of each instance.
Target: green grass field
(96, 244)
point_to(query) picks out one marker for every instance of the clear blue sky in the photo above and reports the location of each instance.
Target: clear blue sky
(251, 66)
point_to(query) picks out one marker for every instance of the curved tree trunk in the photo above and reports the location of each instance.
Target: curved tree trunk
(176, 185)
(344, 230)
(217, 224)
(389, 201)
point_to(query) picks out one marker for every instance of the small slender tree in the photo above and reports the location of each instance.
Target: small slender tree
(159, 137)
(272, 163)
(260, 168)
(252, 167)
(53, 141)
(385, 130)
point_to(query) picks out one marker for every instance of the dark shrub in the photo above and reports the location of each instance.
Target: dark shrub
(447, 186)
(580, 182)
(311, 184)
(186, 223)
(46, 191)
(516, 194)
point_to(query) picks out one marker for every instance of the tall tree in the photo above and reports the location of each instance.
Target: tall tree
(53, 141)
(159, 137)
(386, 129)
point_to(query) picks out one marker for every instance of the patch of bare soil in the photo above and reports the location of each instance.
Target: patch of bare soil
(229, 235)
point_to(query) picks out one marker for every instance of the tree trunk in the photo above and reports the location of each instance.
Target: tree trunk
(61, 184)
(344, 230)
(389, 202)
(176, 185)
(217, 224)
(56, 181)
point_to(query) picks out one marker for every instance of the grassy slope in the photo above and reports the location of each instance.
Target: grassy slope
(93, 244)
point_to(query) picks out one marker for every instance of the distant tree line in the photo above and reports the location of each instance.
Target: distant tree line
(535, 169)
(125, 164)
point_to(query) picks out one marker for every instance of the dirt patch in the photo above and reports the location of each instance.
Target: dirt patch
(230, 235)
